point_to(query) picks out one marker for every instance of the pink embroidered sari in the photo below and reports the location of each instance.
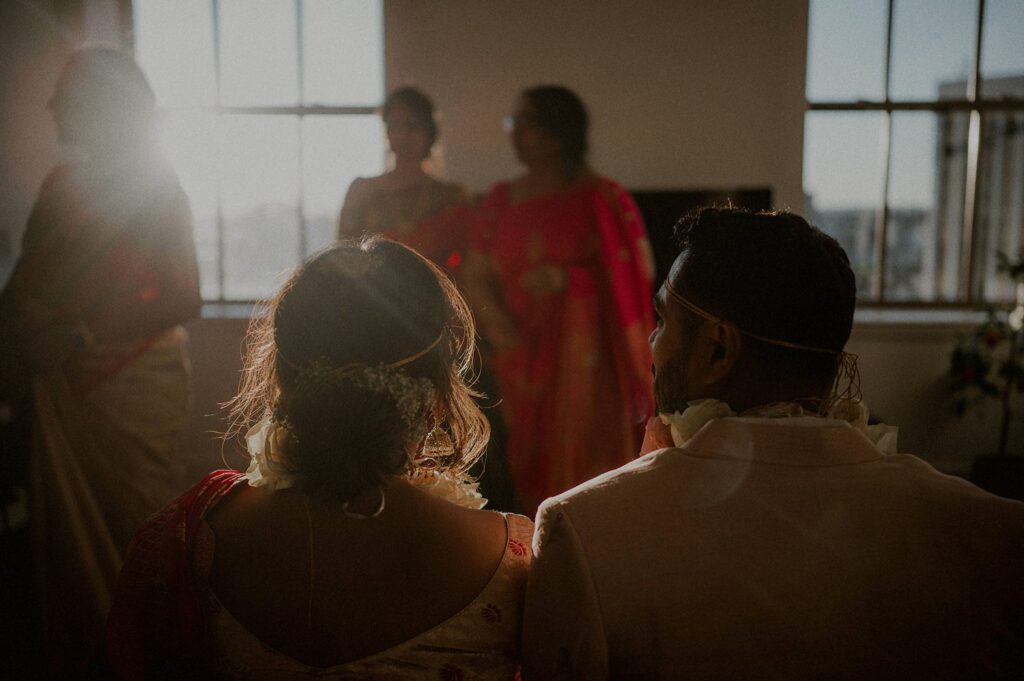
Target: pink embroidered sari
(577, 388)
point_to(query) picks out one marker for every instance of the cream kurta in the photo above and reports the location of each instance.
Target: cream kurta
(769, 548)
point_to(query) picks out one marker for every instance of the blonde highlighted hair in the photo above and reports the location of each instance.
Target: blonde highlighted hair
(373, 303)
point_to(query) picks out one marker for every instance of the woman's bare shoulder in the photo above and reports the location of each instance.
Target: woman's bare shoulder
(363, 188)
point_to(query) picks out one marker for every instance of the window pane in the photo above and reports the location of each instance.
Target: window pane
(1002, 49)
(846, 50)
(926, 190)
(843, 182)
(259, 170)
(258, 52)
(174, 46)
(190, 144)
(343, 59)
(932, 48)
(1000, 225)
(335, 150)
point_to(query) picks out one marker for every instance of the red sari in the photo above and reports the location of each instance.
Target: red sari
(156, 627)
(440, 237)
(577, 388)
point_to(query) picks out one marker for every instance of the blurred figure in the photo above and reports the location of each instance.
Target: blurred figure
(559, 271)
(91, 346)
(354, 546)
(407, 204)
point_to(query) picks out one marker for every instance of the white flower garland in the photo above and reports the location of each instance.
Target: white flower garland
(699, 413)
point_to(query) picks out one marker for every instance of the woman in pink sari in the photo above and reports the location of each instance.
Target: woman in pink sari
(560, 272)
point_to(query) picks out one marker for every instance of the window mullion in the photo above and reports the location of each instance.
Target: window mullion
(882, 231)
(221, 240)
(301, 66)
(970, 287)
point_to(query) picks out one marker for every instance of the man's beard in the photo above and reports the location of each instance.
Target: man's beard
(668, 387)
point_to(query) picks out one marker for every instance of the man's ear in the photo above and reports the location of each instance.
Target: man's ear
(726, 343)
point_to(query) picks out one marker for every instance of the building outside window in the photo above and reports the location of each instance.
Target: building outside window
(914, 143)
(268, 113)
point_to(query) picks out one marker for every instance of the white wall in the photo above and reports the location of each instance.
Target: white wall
(682, 93)
(905, 380)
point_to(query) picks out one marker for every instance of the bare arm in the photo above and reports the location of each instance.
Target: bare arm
(350, 222)
(478, 281)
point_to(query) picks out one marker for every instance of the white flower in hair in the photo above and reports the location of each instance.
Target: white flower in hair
(412, 396)
(265, 442)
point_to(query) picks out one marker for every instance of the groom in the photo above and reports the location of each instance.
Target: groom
(781, 542)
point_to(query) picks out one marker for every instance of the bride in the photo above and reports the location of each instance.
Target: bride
(353, 546)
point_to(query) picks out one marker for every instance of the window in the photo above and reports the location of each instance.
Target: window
(914, 143)
(267, 112)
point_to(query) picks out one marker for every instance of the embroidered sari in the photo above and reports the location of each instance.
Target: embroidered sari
(577, 388)
(92, 353)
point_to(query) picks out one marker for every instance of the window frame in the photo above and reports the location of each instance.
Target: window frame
(970, 293)
(222, 304)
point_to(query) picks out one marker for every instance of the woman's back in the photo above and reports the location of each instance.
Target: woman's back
(347, 554)
(426, 585)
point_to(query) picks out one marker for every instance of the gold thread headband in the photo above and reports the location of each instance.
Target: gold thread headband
(846, 362)
(341, 371)
(696, 309)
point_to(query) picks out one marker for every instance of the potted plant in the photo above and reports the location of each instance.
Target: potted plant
(989, 364)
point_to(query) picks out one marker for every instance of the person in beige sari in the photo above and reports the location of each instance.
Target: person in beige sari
(92, 351)
(407, 203)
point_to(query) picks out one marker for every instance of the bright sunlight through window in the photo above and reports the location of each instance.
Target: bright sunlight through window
(267, 112)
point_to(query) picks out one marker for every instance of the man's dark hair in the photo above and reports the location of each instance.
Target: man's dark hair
(774, 275)
(561, 113)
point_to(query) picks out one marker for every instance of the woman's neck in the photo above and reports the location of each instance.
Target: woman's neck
(408, 172)
(552, 175)
(542, 179)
